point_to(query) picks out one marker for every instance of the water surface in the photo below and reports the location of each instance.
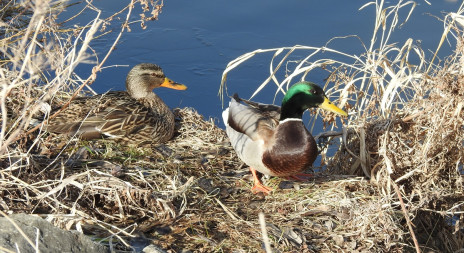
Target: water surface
(194, 40)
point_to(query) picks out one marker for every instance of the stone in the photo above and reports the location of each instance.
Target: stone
(42, 233)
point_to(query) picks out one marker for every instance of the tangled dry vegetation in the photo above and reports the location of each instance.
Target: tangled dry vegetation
(420, 149)
(395, 185)
(415, 156)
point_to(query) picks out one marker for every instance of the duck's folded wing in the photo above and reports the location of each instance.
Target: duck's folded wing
(268, 110)
(113, 122)
(250, 120)
(116, 122)
(94, 127)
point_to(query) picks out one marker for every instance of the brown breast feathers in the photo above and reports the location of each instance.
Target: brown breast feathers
(294, 150)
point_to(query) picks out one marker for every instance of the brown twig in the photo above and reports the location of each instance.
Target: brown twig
(406, 215)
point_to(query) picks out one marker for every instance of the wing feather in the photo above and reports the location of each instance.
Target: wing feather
(257, 122)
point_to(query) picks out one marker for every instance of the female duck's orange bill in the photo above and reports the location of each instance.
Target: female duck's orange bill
(168, 83)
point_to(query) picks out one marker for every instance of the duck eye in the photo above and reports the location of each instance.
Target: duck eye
(156, 75)
(313, 91)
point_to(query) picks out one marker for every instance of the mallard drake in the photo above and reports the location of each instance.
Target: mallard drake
(136, 116)
(271, 139)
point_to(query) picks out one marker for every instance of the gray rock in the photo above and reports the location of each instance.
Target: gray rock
(153, 249)
(50, 238)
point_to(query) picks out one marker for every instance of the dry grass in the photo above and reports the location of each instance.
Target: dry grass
(396, 182)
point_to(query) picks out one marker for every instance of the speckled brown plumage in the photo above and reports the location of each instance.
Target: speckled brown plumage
(136, 117)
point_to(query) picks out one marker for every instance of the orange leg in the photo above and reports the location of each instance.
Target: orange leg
(258, 186)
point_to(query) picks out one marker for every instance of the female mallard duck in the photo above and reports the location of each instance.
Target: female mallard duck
(137, 116)
(273, 140)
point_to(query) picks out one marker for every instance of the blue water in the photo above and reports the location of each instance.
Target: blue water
(194, 40)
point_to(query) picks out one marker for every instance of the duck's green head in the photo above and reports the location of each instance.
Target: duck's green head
(304, 95)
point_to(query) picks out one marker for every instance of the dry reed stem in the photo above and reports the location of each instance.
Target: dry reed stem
(89, 35)
(262, 223)
(406, 216)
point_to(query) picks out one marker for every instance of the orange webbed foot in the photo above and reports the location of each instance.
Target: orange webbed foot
(261, 188)
(258, 186)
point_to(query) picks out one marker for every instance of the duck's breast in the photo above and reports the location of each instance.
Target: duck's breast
(294, 150)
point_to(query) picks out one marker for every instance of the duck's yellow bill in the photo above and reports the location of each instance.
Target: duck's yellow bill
(168, 83)
(329, 106)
